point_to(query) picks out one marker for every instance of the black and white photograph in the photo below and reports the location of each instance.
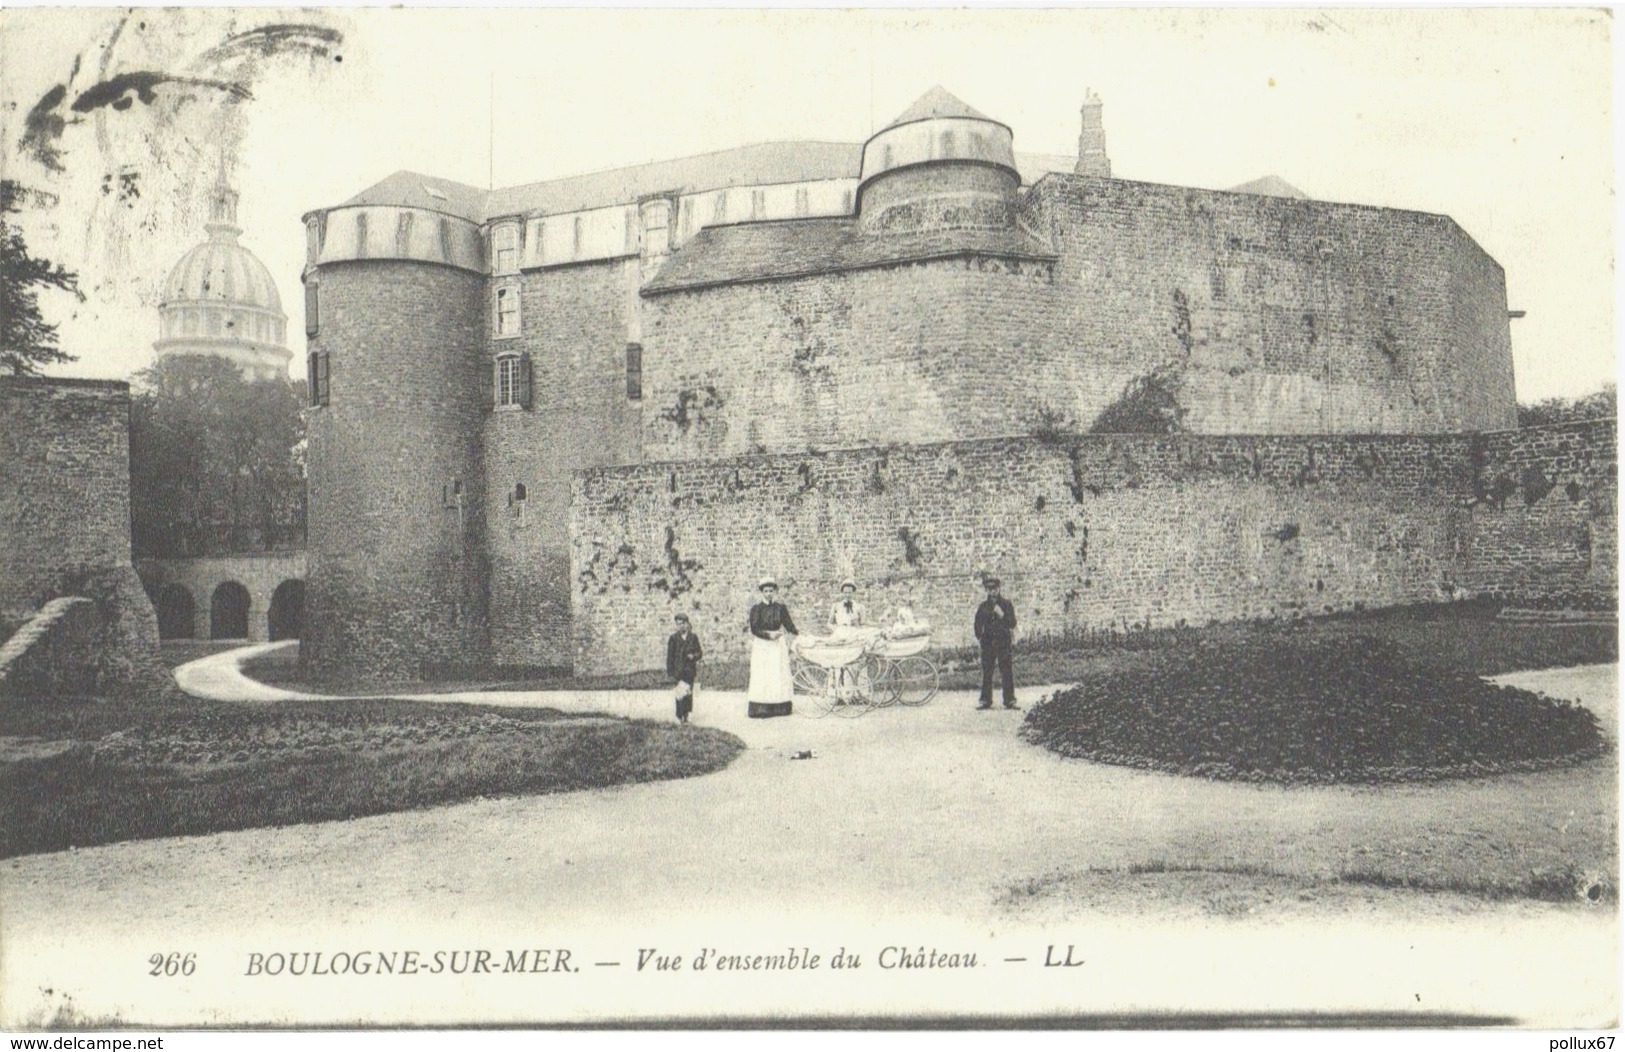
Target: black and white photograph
(752, 518)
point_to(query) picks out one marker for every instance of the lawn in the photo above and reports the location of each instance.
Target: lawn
(83, 771)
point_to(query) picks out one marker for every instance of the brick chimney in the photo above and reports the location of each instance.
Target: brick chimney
(1092, 159)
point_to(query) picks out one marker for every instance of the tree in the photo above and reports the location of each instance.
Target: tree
(215, 460)
(27, 341)
(1598, 404)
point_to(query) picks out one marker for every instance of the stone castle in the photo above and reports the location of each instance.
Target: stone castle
(546, 417)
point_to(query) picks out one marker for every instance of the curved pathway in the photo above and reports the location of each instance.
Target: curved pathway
(932, 828)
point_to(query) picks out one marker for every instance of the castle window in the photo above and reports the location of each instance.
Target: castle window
(758, 204)
(634, 371)
(507, 311)
(947, 141)
(316, 377)
(511, 381)
(579, 229)
(361, 235)
(688, 216)
(505, 248)
(516, 501)
(451, 496)
(312, 309)
(719, 207)
(803, 206)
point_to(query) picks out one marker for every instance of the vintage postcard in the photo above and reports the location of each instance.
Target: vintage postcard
(805, 518)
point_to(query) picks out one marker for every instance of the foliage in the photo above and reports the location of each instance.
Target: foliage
(1148, 405)
(167, 765)
(27, 341)
(215, 460)
(1348, 709)
(1602, 404)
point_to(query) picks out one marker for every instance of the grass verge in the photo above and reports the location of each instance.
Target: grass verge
(86, 771)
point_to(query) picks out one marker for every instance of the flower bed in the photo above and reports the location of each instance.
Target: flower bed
(1309, 711)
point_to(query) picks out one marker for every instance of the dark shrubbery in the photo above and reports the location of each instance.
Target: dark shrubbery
(167, 765)
(1348, 709)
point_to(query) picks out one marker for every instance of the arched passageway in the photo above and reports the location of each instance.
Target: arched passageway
(287, 611)
(176, 612)
(228, 612)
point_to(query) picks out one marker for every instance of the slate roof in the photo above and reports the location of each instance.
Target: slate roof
(1270, 186)
(747, 252)
(938, 102)
(425, 191)
(762, 164)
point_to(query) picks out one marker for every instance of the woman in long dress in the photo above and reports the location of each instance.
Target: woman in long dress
(770, 684)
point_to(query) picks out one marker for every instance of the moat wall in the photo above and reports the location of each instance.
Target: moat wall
(1090, 531)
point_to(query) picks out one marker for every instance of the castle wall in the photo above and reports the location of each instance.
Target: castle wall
(65, 509)
(574, 323)
(1273, 314)
(1543, 514)
(1268, 315)
(397, 577)
(916, 352)
(1087, 533)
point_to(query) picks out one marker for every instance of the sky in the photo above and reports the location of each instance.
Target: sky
(1500, 118)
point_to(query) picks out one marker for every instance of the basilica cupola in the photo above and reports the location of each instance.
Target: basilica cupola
(941, 165)
(221, 301)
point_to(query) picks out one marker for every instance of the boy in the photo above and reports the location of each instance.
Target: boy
(682, 663)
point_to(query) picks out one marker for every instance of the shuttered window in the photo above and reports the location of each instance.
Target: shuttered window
(634, 371)
(316, 377)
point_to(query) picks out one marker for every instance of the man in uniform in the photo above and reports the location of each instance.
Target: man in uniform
(995, 625)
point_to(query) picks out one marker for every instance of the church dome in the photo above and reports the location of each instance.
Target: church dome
(223, 272)
(221, 301)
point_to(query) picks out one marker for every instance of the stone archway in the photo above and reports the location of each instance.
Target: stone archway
(287, 612)
(228, 612)
(176, 612)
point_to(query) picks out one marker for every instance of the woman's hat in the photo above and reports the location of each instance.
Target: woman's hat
(849, 583)
(767, 582)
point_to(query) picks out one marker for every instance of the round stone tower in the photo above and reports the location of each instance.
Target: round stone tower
(219, 300)
(395, 299)
(939, 166)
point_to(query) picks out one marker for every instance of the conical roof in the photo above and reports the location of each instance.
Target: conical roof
(938, 102)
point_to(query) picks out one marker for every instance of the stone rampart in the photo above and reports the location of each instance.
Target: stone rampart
(1087, 532)
(65, 513)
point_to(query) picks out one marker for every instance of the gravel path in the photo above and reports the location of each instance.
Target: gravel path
(916, 825)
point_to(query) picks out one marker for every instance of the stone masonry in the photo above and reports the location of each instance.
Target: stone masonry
(1091, 532)
(65, 515)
